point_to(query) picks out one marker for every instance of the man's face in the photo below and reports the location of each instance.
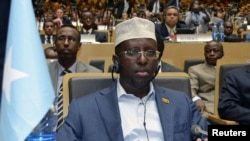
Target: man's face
(171, 18)
(59, 13)
(228, 28)
(67, 43)
(137, 70)
(49, 28)
(87, 20)
(213, 52)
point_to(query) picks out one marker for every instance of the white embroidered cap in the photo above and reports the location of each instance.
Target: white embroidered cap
(134, 28)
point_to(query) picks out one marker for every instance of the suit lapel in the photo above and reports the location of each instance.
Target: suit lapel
(107, 102)
(165, 110)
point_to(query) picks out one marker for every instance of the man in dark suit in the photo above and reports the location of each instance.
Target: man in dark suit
(171, 21)
(234, 101)
(122, 6)
(48, 27)
(155, 6)
(89, 27)
(175, 3)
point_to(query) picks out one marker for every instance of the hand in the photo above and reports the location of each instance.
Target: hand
(199, 139)
(200, 105)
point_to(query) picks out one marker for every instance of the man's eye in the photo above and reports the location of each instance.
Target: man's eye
(132, 52)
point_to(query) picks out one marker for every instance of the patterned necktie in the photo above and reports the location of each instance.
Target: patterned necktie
(60, 101)
(48, 40)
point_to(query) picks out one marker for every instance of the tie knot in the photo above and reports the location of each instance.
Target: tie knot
(65, 72)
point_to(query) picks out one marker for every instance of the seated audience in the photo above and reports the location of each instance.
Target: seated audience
(202, 78)
(133, 108)
(234, 100)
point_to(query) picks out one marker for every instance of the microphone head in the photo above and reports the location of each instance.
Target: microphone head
(195, 129)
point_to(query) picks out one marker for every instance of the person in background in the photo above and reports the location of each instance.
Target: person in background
(89, 27)
(60, 19)
(197, 17)
(240, 32)
(122, 6)
(133, 108)
(48, 27)
(202, 78)
(234, 100)
(228, 29)
(164, 66)
(167, 29)
(67, 44)
(50, 53)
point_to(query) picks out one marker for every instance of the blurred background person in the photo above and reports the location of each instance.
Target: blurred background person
(167, 29)
(197, 17)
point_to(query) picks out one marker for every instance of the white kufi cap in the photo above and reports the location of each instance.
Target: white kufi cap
(134, 28)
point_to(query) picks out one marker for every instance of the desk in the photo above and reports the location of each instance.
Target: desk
(176, 52)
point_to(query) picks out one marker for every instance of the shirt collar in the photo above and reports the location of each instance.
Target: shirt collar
(121, 92)
(61, 68)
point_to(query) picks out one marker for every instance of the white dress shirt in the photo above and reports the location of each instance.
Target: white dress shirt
(139, 117)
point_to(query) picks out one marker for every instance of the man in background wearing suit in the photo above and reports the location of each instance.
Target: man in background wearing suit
(171, 21)
(202, 77)
(89, 27)
(67, 45)
(165, 67)
(48, 27)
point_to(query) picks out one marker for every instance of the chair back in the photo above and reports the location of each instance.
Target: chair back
(222, 66)
(191, 62)
(79, 84)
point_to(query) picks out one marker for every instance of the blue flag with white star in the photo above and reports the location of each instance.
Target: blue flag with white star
(27, 92)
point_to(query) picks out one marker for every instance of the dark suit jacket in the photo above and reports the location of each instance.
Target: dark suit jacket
(234, 101)
(42, 36)
(165, 67)
(119, 6)
(162, 30)
(151, 6)
(96, 117)
(100, 36)
(173, 3)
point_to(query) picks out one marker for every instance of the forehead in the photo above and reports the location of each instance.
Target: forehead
(87, 14)
(142, 43)
(228, 24)
(213, 45)
(172, 10)
(49, 23)
(67, 31)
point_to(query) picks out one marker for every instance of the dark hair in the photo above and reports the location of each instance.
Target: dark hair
(208, 44)
(47, 21)
(160, 44)
(71, 26)
(166, 9)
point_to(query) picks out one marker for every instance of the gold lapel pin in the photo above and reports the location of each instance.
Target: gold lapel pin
(165, 100)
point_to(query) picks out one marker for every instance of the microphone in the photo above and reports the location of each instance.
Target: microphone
(196, 129)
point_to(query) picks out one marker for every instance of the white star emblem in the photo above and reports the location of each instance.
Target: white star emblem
(10, 75)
